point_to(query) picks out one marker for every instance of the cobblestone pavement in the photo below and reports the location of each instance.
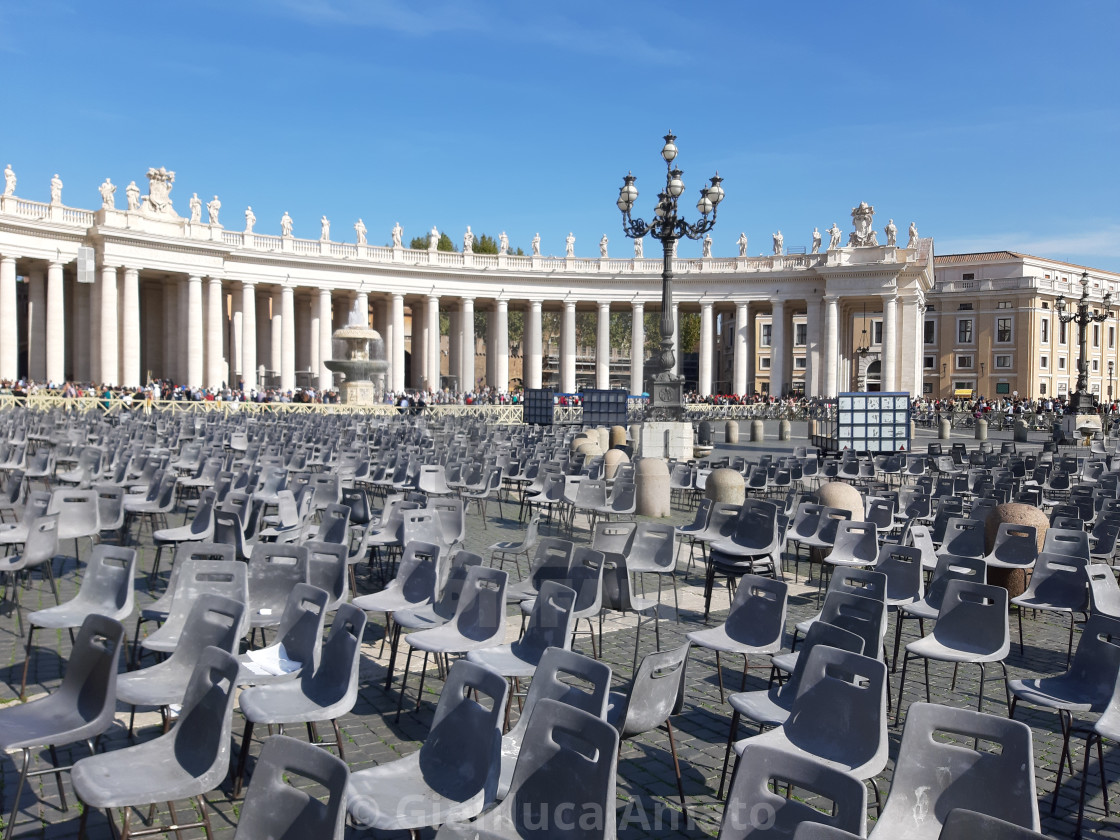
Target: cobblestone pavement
(647, 797)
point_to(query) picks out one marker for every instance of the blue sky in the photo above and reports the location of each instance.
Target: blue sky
(991, 125)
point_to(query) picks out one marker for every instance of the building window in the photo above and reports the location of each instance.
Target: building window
(1045, 330)
(1096, 365)
(930, 332)
(1044, 362)
(929, 362)
(800, 334)
(1063, 387)
(927, 387)
(764, 338)
(1111, 338)
(1003, 362)
(964, 331)
(1061, 332)
(964, 362)
(1061, 363)
(965, 307)
(799, 363)
(961, 385)
(969, 276)
(1096, 335)
(764, 362)
(876, 332)
(1003, 387)
(1003, 304)
(1042, 388)
(1003, 329)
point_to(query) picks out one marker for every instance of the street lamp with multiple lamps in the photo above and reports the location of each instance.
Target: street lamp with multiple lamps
(667, 392)
(1083, 316)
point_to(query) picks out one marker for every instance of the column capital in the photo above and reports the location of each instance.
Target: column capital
(7, 259)
(890, 296)
(831, 297)
(433, 298)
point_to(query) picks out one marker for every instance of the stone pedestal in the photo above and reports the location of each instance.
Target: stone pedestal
(981, 429)
(357, 393)
(731, 431)
(666, 439)
(944, 429)
(1022, 431)
(758, 431)
(783, 430)
(651, 487)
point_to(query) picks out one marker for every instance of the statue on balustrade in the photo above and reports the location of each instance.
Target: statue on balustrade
(158, 200)
(536, 245)
(603, 246)
(9, 180)
(468, 241)
(360, 231)
(503, 243)
(132, 194)
(891, 232)
(864, 235)
(706, 247)
(433, 239)
(816, 241)
(570, 245)
(213, 208)
(325, 229)
(398, 232)
(834, 237)
(913, 242)
(285, 224)
(56, 189)
(742, 244)
(196, 209)
(108, 190)
(779, 241)
(251, 219)
(639, 247)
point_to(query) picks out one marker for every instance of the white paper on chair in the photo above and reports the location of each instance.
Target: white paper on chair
(272, 660)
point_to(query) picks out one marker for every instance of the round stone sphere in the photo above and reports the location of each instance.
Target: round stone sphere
(1017, 513)
(837, 494)
(651, 486)
(725, 485)
(611, 461)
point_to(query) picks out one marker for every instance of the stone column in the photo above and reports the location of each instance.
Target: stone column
(249, 335)
(501, 345)
(56, 325)
(361, 304)
(276, 337)
(637, 348)
(568, 348)
(742, 330)
(420, 343)
(194, 332)
(777, 347)
(431, 375)
(603, 347)
(131, 374)
(288, 338)
(812, 346)
(890, 344)
(9, 321)
(83, 348)
(326, 350)
(109, 370)
(396, 354)
(37, 326)
(215, 327)
(455, 346)
(236, 346)
(706, 340)
(466, 352)
(533, 350)
(314, 335)
(831, 353)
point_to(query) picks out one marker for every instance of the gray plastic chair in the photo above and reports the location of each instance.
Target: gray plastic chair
(327, 693)
(1059, 584)
(655, 694)
(588, 689)
(278, 806)
(618, 597)
(1016, 547)
(1068, 542)
(755, 625)
(106, 589)
(751, 548)
(550, 561)
(568, 756)
(199, 529)
(971, 627)
(654, 552)
(963, 538)
(962, 824)
(516, 549)
(947, 568)
(935, 775)
(158, 609)
(39, 551)
(82, 707)
(549, 626)
(1104, 592)
(853, 580)
(273, 570)
(186, 763)
(454, 775)
(753, 810)
(327, 569)
(856, 544)
(300, 632)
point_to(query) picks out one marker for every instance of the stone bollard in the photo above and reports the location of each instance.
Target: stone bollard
(981, 429)
(618, 436)
(636, 437)
(943, 429)
(651, 486)
(725, 485)
(611, 461)
(704, 433)
(604, 438)
(1021, 431)
(783, 430)
(812, 429)
(757, 431)
(731, 431)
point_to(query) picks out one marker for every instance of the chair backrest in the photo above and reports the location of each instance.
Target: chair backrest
(42, 541)
(278, 804)
(867, 583)
(1066, 541)
(213, 621)
(327, 569)
(201, 738)
(416, 573)
(820, 633)
(550, 561)
(902, 564)
(1060, 580)
(550, 622)
(197, 577)
(656, 692)
(753, 809)
(90, 681)
(1104, 592)
(655, 542)
(79, 510)
(856, 542)
(940, 768)
(973, 615)
(301, 626)
(335, 681)
(758, 611)
(963, 537)
(334, 524)
(949, 568)
(614, 536)
(107, 581)
(480, 614)
(110, 506)
(866, 617)
(829, 522)
(1017, 544)
(570, 678)
(274, 569)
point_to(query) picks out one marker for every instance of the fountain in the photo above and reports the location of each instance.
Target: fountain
(359, 356)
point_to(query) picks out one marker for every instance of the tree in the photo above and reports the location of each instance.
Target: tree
(690, 332)
(485, 244)
(420, 243)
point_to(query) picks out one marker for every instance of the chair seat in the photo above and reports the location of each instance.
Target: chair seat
(387, 600)
(1000, 564)
(104, 781)
(1058, 692)
(402, 784)
(1038, 604)
(73, 613)
(505, 660)
(763, 707)
(448, 639)
(921, 609)
(51, 720)
(181, 534)
(930, 648)
(159, 685)
(777, 738)
(716, 638)
(286, 702)
(419, 618)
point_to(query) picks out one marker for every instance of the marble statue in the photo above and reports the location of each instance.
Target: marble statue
(503, 243)
(285, 224)
(913, 241)
(468, 241)
(56, 189)
(324, 229)
(108, 192)
(779, 240)
(132, 193)
(603, 246)
(196, 209)
(536, 245)
(891, 233)
(639, 247)
(250, 219)
(864, 234)
(360, 231)
(834, 237)
(213, 208)
(9, 180)
(816, 241)
(706, 247)
(158, 200)
(742, 244)
(570, 245)
(433, 239)
(398, 232)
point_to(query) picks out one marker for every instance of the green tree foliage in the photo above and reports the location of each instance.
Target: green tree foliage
(420, 243)
(690, 332)
(485, 244)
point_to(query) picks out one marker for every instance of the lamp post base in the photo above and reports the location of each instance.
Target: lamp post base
(1083, 403)
(666, 398)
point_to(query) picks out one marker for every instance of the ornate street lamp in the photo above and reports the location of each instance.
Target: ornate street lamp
(1083, 316)
(667, 393)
